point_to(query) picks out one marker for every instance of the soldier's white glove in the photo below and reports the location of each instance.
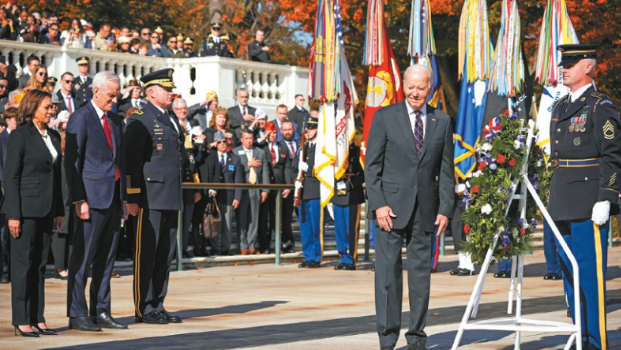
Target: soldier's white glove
(601, 212)
(303, 166)
(298, 185)
(460, 188)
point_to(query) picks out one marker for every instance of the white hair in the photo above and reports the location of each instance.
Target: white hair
(419, 69)
(177, 101)
(102, 78)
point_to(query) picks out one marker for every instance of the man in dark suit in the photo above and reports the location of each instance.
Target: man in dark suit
(298, 114)
(288, 242)
(83, 83)
(257, 50)
(66, 95)
(231, 171)
(153, 154)
(31, 62)
(242, 115)
(280, 173)
(216, 43)
(256, 167)
(410, 184)
(281, 116)
(95, 169)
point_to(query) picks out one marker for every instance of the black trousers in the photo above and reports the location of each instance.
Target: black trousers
(127, 238)
(94, 243)
(267, 216)
(287, 215)
(62, 243)
(4, 244)
(156, 239)
(29, 254)
(389, 280)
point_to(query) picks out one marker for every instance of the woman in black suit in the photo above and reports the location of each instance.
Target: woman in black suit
(34, 208)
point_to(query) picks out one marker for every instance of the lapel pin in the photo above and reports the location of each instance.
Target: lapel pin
(433, 119)
(582, 99)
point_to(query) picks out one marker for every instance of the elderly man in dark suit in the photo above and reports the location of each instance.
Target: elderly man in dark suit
(95, 171)
(410, 183)
(231, 171)
(242, 114)
(257, 171)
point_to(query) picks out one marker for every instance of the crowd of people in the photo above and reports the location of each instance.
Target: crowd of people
(18, 24)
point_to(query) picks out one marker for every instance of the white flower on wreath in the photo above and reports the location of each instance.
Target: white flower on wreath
(517, 144)
(486, 209)
(539, 164)
(486, 147)
(500, 229)
(477, 173)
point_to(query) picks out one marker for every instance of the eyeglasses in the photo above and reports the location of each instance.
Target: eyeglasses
(155, 36)
(41, 74)
(2, 86)
(172, 42)
(217, 28)
(219, 142)
(146, 34)
(69, 82)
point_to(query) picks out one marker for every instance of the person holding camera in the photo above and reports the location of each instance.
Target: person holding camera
(74, 36)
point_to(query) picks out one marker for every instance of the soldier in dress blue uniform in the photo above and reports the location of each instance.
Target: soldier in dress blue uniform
(584, 189)
(216, 44)
(154, 156)
(347, 200)
(83, 83)
(310, 208)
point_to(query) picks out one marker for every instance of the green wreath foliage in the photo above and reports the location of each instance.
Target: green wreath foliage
(500, 157)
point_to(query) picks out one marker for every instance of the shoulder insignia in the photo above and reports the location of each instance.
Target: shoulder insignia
(225, 37)
(598, 95)
(606, 102)
(138, 112)
(609, 130)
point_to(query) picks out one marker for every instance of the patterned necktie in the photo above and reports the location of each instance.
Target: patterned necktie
(69, 108)
(252, 176)
(108, 132)
(418, 132)
(273, 155)
(292, 149)
(222, 161)
(243, 111)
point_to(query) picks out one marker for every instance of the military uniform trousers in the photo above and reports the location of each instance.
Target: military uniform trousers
(550, 249)
(28, 259)
(155, 248)
(389, 280)
(587, 242)
(310, 230)
(347, 231)
(94, 243)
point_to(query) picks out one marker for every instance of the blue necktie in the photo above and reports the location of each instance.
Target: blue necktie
(418, 133)
(222, 162)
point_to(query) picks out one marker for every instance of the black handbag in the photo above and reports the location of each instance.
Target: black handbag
(212, 219)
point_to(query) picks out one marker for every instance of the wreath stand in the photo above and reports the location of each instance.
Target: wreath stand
(518, 323)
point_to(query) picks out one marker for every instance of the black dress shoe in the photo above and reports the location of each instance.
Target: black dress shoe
(503, 274)
(433, 270)
(152, 317)
(170, 318)
(26, 334)
(104, 320)
(266, 251)
(340, 266)
(304, 264)
(83, 324)
(548, 276)
(313, 264)
(225, 253)
(60, 277)
(197, 252)
(456, 271)
(4, 279)
(465, 272)
(419, 345)
(46, 331)
(187, 254)
(557, 276)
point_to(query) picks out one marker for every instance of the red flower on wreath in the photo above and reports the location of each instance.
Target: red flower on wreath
(512, 162)
(466, 228)
(475, 189)
(537, 149)
(482, 165)
(522, 231)
(500, 159)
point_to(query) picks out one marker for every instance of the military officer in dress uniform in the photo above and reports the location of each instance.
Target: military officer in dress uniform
(154, 155)
(347, 200)
(216, 44)
(188, 47)
(584, 189)
(83, 83)
(310, 209)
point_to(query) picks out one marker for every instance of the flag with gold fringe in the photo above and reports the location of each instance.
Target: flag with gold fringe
(475, 57)
(332, 85)
(556, 29)
(384, 85)
(422, 47)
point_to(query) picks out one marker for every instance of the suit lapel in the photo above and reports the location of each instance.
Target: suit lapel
(403, 119)
(55, 143)
(96, 122)
(432, 122)
(40, 143)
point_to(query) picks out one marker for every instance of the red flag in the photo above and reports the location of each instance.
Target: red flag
(385, 87)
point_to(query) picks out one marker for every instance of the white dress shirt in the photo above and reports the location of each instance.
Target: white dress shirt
(412, 116)
(99, 112)
(221, 159)
(48, 143)
(575, 95)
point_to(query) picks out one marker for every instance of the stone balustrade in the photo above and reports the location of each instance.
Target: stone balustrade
(268, 84)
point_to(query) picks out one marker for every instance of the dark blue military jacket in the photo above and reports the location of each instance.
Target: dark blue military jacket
(586, 129)
(83, 91)
(154, 155)
(310, 189)
(353, 179)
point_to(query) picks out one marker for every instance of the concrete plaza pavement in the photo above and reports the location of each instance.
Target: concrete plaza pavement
(287, 308)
